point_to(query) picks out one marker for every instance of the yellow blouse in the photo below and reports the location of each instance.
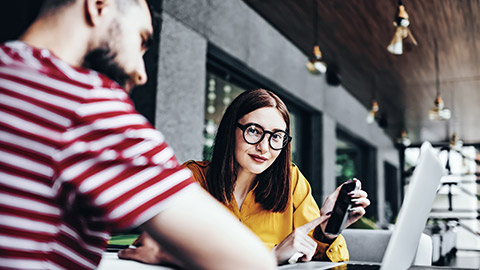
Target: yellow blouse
(272, 227)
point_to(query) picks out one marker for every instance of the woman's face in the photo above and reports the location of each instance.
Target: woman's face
(256, 158)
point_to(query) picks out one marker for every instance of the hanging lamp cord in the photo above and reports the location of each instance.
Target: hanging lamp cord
(315, 19)
(437, 80)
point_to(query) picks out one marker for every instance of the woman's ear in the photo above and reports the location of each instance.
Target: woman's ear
(95, 10)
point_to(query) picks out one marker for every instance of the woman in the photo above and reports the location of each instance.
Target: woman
(252, 175)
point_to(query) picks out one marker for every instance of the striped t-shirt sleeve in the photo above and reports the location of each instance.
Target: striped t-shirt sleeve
(112, 156)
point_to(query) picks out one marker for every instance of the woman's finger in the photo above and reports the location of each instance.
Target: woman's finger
(310, 251)
(295, 257)
(355, 214)
(305, 252)
(309, 243)
(301, 244)
(362, 202)
(358, 194)
(358, 183)
(313, 224)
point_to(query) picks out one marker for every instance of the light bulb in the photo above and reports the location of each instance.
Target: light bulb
(320, 66)
(439, 112)
(404, 139)
(396, 47)
(436, 114)
(315, 65)
(444, 114)
(371, 116)
(433, 114)
(311, 67)
(406, 142)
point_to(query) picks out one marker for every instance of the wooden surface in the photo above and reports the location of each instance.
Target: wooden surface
(353, 35)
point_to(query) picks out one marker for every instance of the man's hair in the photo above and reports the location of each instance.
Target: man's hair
(273, 188)
(54, 5)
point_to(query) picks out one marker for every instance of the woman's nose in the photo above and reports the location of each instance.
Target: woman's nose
(263, 144)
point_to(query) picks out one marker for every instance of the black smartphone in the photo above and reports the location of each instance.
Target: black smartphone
(339, 216)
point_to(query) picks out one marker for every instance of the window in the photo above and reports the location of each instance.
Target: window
(220, 94)
(392, 190)
(356, 158)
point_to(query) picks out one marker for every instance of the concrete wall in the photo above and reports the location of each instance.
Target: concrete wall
(181, 86)
(189, 25)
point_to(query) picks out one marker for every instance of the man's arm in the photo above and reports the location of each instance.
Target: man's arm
(204, 235)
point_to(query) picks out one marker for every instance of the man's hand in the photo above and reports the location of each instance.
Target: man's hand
(299, 241)
(359, 200)
(147, 251)
(202, 234)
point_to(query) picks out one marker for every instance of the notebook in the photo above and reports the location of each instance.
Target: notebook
(411, 220)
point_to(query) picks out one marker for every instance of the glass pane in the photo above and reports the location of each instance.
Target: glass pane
(295, 152)
(220, 94)
(347, 156)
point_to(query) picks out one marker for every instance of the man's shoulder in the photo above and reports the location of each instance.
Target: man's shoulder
(18, 57)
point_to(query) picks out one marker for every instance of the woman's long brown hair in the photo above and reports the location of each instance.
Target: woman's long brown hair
(273, 188)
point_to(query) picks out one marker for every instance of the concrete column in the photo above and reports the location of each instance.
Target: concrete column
(381, 186)
(181, 88)
(329, 156)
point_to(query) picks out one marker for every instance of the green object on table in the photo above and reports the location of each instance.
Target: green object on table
(123, 239)
(364, 223)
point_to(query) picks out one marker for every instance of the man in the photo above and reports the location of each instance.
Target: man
(77, 161)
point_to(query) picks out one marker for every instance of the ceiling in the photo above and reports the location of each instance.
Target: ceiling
(353, 35)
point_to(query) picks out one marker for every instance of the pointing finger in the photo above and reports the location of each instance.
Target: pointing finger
(314, 223)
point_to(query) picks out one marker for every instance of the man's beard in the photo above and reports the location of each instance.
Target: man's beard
(103, 60)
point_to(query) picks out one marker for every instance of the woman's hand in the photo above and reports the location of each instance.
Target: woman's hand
(298, 241)
(147, 251)
(359, 203)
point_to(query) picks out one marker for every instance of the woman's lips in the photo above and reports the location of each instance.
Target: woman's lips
(259, 159)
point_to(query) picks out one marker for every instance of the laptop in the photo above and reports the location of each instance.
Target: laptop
(411, 220)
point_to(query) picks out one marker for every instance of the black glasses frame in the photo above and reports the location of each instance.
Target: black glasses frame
(287, 139)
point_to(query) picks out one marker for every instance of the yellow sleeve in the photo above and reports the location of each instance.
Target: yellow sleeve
(335, 252)
(306, 210)
(199, 171)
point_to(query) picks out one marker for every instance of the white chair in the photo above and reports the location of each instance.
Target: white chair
(370, 245)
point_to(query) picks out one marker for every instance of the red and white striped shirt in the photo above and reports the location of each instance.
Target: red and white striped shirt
(76, 162)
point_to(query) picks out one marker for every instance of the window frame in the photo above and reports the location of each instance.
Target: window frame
(367, 164)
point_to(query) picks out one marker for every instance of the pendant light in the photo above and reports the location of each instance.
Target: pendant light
(455, 143)
(315, 64)
(438, 112)
(374, 109)
(404, 140)
(402, 31)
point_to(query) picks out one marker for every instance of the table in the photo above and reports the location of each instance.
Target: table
(110, 261)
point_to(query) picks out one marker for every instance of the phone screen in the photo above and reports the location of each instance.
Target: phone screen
(340, 210)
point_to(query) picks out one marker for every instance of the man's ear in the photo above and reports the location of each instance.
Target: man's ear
(95, 10)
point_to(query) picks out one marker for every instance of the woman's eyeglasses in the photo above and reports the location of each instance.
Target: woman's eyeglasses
(254, 133)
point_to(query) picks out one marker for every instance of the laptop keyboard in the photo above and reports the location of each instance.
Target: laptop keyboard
(357, 267)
